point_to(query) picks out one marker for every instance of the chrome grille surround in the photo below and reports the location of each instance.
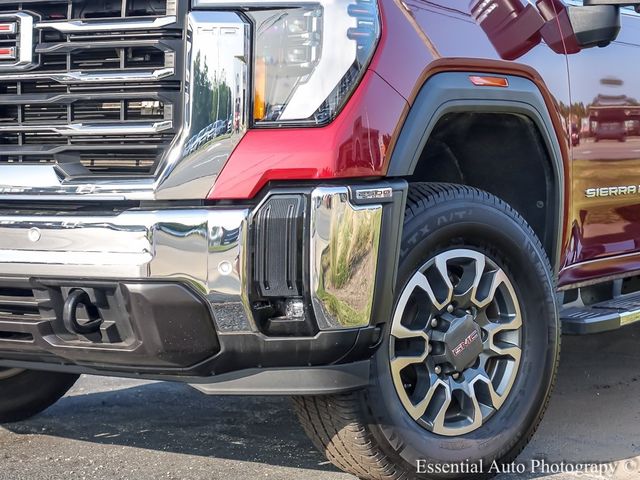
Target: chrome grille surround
(85, 125)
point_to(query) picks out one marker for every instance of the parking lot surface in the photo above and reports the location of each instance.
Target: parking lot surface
(126, 429)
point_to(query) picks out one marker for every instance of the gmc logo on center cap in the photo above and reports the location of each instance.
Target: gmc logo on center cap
(16, 41)
(461, 347)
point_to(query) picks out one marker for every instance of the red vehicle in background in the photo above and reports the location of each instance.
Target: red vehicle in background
(385, 209)
(574, 133)
(610, 115)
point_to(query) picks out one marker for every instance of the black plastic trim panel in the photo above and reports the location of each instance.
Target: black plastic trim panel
(157, 330)
(151, 326)
(452, 92)
(278, 228)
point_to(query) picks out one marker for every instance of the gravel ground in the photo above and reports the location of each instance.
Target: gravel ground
(124, 429)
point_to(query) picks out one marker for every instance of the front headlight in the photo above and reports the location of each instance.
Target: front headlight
(309, 58)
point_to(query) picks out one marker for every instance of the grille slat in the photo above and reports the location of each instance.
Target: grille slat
(107, 76)
(117, 25)
(18, 304)
(77, 45)
(15, 150)
(106, 90)
(69, 98)
(66, 129)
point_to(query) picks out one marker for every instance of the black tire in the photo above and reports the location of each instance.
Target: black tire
(26, 393)
(369, 433)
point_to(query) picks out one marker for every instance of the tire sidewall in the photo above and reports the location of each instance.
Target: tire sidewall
(485, 227)
(30, 392)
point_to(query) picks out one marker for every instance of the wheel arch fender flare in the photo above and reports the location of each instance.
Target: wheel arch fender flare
(453, 92)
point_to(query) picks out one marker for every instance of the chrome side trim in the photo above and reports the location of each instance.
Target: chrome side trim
(81, 26)
(202, 247)
(344, 252)
(96, 77)
(95, 128)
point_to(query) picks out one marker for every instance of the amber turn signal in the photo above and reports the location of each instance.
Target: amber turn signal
(482, 81)
(260, 82)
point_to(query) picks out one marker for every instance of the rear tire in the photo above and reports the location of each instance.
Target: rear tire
(25, 393)
(379, 433)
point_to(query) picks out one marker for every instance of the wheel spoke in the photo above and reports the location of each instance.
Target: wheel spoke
(491, 344)
(497, 392)
(438, 422)
(510, 351)
(418, 281)
(473, 266)
(430, 291)
(400, 331)
(418, 410)
(487, 287)
(477, 412)
(469, 419)
(512, 322)
(442, 269)
(495, 328)
(400, 363)
(482, 380)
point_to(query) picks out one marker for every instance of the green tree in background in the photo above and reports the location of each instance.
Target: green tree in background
(212, 97)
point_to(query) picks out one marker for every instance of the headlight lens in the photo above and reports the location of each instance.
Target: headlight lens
(308, 59)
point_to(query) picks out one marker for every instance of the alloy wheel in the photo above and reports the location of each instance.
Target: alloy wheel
(455, 343)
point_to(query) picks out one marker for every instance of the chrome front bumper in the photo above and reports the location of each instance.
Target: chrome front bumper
(206, 248)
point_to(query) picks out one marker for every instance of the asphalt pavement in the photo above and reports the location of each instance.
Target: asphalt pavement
(126, 429)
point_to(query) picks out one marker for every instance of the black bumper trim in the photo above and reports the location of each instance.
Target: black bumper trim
(160, 330)
(319, 380)
(326, 380)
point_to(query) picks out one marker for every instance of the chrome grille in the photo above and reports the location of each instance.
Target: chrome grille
(103, 95)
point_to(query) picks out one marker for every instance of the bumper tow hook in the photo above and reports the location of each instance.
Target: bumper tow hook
(76, 300)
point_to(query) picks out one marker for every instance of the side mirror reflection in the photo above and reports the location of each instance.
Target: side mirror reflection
(515, 28)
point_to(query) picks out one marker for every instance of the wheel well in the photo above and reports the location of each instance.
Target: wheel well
(501, 153)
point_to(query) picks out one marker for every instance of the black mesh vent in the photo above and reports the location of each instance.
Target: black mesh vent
(277, 261)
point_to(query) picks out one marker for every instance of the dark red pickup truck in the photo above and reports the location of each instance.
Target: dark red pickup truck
(386, 209)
